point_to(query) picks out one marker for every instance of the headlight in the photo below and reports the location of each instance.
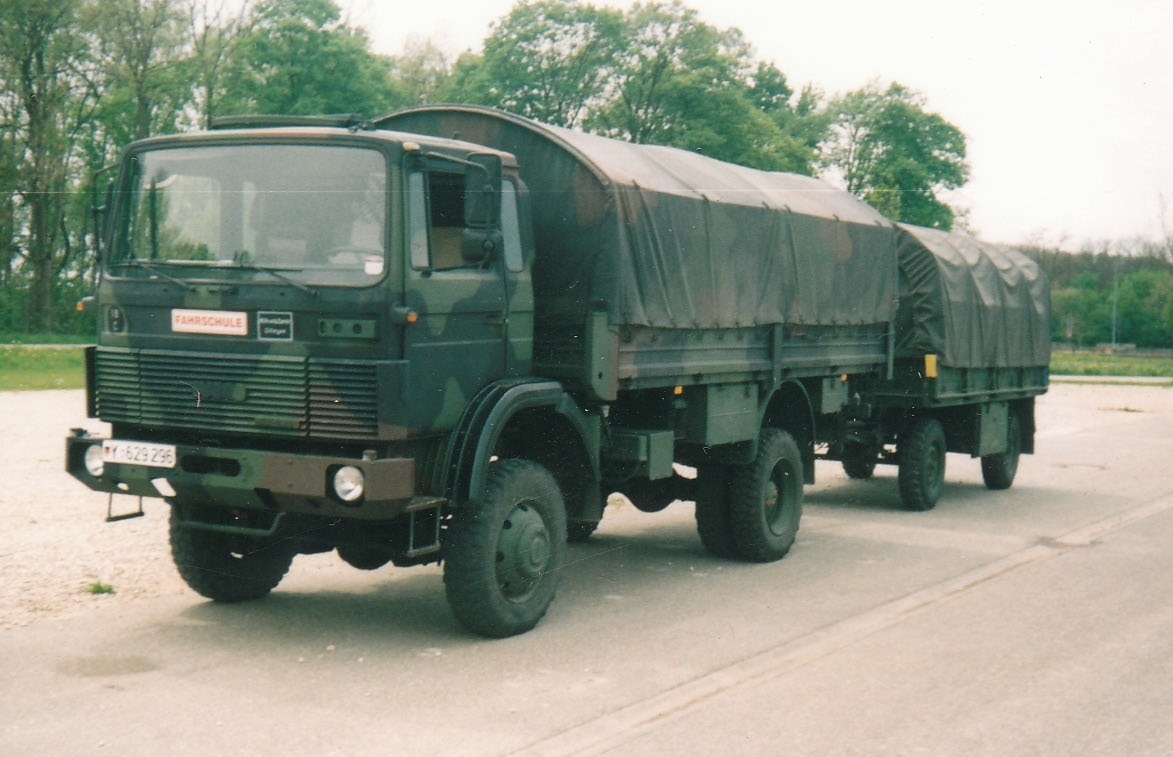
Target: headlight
(348, 483)
(94, 462)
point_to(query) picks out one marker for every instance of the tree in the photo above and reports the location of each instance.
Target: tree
(42, 55)
(550, 60)
(670, 57)
(298, 58)
(895, 155)
(142, 51)
(421, 71)
(214, 34)
(655, 74)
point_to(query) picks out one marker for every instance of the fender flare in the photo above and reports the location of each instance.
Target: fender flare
(785, 416)
(466, 461)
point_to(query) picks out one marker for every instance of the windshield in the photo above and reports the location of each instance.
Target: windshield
(303, 214)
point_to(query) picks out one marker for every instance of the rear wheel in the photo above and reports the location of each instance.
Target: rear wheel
(921, 449)
(227, 567)
(765, 499)
(998, 470)
(712, 514)
(503, 558)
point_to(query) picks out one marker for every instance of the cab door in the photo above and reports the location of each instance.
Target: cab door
(459, 343)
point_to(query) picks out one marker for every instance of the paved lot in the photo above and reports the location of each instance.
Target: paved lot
(1033, 621)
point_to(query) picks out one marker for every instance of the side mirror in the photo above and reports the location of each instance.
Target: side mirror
(482, 192)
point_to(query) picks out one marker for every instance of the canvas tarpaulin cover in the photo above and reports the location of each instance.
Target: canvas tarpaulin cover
(666, 238)
(972, 303)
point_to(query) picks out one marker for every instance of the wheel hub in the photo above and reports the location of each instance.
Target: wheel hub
(523, 552)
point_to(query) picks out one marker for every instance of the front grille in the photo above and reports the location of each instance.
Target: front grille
(270, 395)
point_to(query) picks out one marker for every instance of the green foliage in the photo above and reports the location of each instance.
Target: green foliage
(1085, 285)
(655, 74)
(550, 60)
(299, 59)
(896, 155)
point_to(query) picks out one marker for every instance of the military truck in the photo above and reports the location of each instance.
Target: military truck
(449, 334)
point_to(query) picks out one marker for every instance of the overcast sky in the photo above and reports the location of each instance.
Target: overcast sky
(1067, 106)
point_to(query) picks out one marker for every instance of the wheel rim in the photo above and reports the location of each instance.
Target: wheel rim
(776, 498)
(524, 552)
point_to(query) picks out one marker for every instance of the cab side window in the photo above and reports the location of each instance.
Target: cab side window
(436, 219)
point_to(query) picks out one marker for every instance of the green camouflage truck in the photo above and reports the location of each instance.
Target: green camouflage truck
(450, 334)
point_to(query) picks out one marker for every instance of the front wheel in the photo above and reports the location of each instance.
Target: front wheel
(503, 555)
(998, 470)
(227, 567)
(921, 449)
(765, 499)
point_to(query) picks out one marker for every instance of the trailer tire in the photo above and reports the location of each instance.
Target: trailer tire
(921, 449)
(765, 499)
(998, 470)
(227, 567)
(859, 461)
(504, 556)
(712, 510)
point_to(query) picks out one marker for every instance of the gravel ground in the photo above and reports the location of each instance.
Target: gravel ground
(56, 545)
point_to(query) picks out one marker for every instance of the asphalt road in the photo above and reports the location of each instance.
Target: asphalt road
(1033, 621)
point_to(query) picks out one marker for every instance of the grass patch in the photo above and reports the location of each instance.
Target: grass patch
(1094, 364)
(42, 367)
(97, 587)
(46, 338)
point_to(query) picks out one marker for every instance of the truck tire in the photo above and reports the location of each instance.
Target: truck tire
(504, 556)
(712, 513)
(364, 558)
(921, 449)
(998, 470)
(765, 499)
(859, 461)
(578, 531)
(227, 567)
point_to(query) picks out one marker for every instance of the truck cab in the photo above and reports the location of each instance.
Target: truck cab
(292, 319)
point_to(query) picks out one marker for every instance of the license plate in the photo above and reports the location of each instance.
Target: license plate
(139, 453)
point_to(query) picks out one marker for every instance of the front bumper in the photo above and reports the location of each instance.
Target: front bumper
(253, 480)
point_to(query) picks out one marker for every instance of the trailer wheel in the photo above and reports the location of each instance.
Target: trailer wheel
(227, 567)
(859, 461)
(921, 449)
(712, 512)
(765, 499)
(998, 470)
(503, 558)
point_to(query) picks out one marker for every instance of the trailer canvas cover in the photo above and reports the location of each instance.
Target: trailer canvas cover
(667, 238)
(972, 303)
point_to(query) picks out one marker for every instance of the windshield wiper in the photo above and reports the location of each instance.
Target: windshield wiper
(275, 274)
(156, 270)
